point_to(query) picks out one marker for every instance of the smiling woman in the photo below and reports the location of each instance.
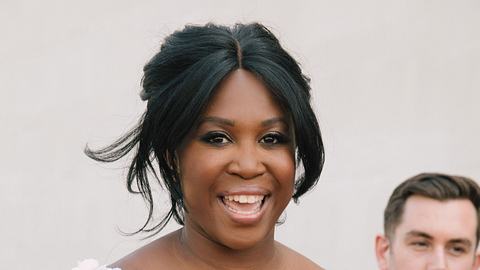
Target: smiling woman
(228, 120)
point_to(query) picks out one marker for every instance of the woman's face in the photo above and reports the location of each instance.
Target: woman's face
(237, 167)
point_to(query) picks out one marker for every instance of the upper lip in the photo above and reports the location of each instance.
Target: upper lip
(245, 190)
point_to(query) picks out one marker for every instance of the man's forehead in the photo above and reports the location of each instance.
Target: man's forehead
(443, 220)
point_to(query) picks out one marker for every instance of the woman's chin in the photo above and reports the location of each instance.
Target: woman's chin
(246, 239)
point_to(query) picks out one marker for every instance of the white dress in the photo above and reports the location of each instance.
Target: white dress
(91, 264)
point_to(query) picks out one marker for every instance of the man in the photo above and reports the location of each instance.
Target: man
(431, 222)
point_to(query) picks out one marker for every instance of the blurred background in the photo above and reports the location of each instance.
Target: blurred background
(396, 87)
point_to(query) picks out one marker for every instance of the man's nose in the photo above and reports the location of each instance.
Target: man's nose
(438, 260)
(247, 161)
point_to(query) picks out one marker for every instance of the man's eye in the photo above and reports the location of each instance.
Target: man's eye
(216, 138)
(458, 250)
(420, 245)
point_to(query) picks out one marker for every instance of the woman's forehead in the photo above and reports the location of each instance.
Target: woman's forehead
(242, 92)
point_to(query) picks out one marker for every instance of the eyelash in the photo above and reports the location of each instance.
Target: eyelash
(458, 250)
(453, 250)
(217, 138)
(420, 245)
(210, 138)
(278, 138)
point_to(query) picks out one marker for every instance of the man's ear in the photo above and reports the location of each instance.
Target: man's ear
(382, 246)
(476, 263)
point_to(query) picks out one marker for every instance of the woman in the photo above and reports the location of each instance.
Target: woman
(227, 122)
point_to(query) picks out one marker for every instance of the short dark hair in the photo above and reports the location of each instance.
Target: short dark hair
(178, 83)
(435, 186)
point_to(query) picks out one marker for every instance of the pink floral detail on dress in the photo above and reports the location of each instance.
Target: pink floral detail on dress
(91, 264)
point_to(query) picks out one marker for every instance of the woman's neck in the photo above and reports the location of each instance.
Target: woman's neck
(201, 252)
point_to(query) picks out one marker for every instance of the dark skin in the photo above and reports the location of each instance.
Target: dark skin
(237, 170)
(169, 252)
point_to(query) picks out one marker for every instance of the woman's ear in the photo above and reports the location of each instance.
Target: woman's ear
(382, 247)
(172, 161)
(176, 163)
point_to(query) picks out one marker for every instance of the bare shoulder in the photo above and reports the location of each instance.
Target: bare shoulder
(156, 255)
(295, 260)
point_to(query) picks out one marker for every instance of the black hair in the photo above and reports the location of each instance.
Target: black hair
(178, 83)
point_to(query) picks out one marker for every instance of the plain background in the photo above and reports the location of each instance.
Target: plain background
(396, 86)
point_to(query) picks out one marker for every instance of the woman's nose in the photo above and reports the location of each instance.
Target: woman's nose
(246, 162)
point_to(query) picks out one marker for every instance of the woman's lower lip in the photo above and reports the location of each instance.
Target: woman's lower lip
(244, 218)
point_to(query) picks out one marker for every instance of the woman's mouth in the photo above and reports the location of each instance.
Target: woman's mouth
(243, 208)
(244, 204)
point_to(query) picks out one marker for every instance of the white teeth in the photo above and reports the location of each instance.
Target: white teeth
(245, 198)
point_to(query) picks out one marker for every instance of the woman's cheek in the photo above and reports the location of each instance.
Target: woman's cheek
(283, 166)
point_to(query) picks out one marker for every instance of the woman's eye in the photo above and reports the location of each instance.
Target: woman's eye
(216, 138)
(274, 138)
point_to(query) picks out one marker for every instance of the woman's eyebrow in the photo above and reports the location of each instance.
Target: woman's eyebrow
(228, 122)
(216, 120)
(275, 120)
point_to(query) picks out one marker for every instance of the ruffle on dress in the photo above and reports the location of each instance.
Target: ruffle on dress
(91, 264)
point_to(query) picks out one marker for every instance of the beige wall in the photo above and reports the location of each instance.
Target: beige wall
(396, 87)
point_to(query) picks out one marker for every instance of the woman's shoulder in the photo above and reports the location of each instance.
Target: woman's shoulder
(295, 260)
(156, 255)
(147, 257)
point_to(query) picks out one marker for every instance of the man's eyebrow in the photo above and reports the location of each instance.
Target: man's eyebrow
(463, 241)
(275, 120)
(416, 233)
(216, 120)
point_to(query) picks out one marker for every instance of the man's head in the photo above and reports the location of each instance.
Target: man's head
(431, 222)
